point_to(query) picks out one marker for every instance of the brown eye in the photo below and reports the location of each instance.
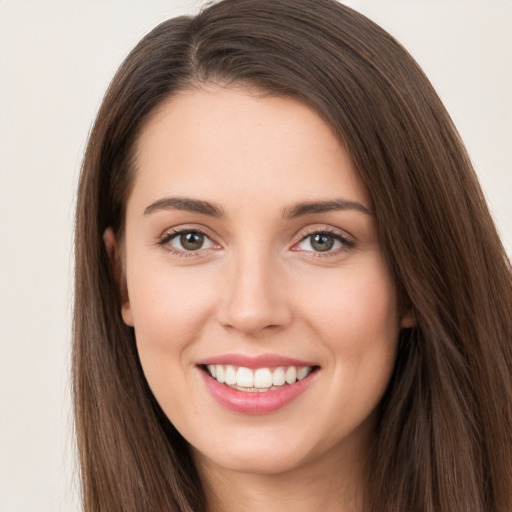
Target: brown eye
(322, 242)
(191, 241)
(327, 242)
(187, 241)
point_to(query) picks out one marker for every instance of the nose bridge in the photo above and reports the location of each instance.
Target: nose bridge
(256, 298)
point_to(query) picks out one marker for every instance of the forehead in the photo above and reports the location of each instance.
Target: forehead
(227, 141)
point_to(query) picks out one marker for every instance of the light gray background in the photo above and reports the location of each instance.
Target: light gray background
(56, 59)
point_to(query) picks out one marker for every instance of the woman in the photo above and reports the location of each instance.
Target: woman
(289, 291)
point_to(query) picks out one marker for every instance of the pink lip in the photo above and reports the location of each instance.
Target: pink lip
(261, 361)
(255, 402)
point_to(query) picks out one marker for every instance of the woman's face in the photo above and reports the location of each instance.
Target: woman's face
(251, 253)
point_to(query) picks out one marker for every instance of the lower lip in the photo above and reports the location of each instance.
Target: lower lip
(258, 402)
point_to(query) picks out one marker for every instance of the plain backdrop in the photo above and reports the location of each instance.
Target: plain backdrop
(56, 60)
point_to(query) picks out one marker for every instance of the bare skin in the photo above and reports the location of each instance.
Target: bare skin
(249, 233)
(332, 484)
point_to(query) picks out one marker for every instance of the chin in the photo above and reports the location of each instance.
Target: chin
(254, 460)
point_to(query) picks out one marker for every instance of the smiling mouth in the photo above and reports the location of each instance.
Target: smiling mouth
(257, 380)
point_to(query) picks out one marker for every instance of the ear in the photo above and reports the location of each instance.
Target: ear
(408, 319)
(113, 249)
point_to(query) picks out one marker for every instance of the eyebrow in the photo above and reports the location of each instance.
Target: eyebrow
(185, 204)
(312, 207)
(298, 210)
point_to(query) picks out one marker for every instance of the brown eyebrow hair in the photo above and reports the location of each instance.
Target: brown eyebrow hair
(298, 210)
(185, 204)
(325, 206)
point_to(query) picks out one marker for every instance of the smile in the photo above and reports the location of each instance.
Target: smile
(256, 385)
(257, 379)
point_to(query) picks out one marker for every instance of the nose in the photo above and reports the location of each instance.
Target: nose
(255, 299)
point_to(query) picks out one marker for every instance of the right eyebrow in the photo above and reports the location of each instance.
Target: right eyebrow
(185, 204)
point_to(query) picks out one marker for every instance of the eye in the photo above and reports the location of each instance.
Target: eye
(324, 242)
(186, 241)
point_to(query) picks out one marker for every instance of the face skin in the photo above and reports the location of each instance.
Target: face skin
(258, 284)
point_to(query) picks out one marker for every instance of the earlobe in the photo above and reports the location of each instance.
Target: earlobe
(114, 256)
(126, 313)
(408, 320)
(109, 239)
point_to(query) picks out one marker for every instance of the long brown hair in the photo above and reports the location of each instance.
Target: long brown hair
(444, 436)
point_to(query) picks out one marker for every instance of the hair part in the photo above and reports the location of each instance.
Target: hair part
(443, 441)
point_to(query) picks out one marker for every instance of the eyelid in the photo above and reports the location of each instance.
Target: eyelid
(324, 228)
(170, 233)
(348, 241)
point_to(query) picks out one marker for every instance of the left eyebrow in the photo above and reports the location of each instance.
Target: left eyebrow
(312, 207)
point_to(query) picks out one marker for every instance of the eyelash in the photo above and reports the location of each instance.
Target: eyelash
(165, 240)
(347, 243)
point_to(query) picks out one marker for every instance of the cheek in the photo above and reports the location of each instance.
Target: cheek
(357, 305)
(166, 304)
(358, 324)
(169, 313)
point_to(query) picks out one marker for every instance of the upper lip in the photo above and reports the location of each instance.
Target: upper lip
(260, 361)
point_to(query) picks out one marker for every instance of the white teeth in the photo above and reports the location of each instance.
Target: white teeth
(278, 377)
(261, 379)
(302, 373)
(245, 377)
(230, 375)
(219, 373)
(291, 374)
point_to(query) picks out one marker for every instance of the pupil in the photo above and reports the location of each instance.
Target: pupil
(192, 241)
(322, 243)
